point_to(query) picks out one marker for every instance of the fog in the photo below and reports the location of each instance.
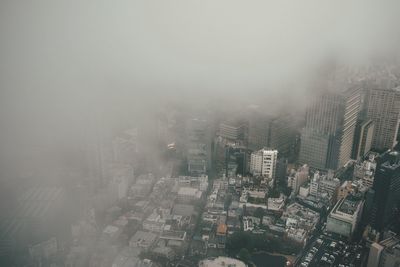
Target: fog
(69, 69)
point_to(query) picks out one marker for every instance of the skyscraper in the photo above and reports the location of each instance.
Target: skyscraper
(277, 132)
(387, 189)
(383, 108)
(327, 139)
(363, 138)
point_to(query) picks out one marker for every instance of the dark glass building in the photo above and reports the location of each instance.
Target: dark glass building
(387, 190)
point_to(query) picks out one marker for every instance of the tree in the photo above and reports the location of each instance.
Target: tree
(244, 255)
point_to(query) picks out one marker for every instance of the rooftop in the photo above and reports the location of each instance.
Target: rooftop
(221, 261)
(348, 205)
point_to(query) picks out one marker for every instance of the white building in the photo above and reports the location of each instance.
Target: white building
(263, 162)
(142, 239)
(304, 190)
(276, 204)
(345, 216)
(154, 223)
(189, 194)
(323, 184)
(221, 262)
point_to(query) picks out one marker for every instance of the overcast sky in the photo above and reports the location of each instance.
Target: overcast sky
(63, 60)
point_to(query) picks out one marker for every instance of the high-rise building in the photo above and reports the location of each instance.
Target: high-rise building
(387, 189)
(278, 132)
(232, 130)
(385, 253)
(327, 139)
(197, 146)
(282, 134)
(258, 131)
(383, 108)
(263, 162)
(363, 136)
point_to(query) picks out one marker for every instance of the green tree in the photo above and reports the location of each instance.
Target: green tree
(244, 255)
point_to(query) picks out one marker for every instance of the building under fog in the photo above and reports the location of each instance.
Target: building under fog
(278, 132)
(363, 137)
(263, 162)
(383, 108)
(327, 139)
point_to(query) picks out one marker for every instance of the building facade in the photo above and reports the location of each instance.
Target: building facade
(383, 108)
(327, 139)
(387, 189)
(263, 162)
(344, 217)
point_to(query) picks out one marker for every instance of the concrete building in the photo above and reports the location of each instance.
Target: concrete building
(323, 184)
(344, 190)
(387, 189)
(187, 194)
(277, 132)
(298, 178)
(221, 262)
(385, 253)
(363, 137)
(344, 217)
(142, 239)
(383, 108)
(125, 147)
(263, 162)
(232, 130)
(365, 170)
(327, 139)
(304, 190)
(122, 176)
(154, 223)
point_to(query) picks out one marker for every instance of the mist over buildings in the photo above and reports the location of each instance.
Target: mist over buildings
(73, 71)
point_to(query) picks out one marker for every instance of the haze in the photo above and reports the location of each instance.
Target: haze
(68, 68)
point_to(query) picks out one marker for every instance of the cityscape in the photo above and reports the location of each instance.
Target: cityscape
(160, 135)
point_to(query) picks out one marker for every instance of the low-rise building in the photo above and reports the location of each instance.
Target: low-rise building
(187, 194)
(154, 223)
(297, 178)
(142, 239)
(344, 217)
(221, 262)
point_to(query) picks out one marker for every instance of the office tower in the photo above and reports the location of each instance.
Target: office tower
(125, 147)
(278, 132)
(327, 139)
(387, 189)
(197, 146)
(258, 131)
(235, 130)
(363, 136)
(263, 162)
(385, 253)
(383, 108)
(282, 134)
